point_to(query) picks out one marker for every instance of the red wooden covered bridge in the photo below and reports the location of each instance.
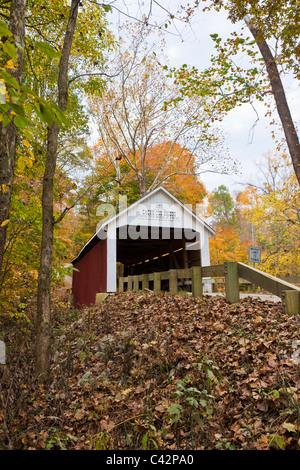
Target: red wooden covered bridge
(156, 233)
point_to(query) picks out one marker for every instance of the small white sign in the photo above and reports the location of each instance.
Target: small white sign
(157, 212)
(254, 254)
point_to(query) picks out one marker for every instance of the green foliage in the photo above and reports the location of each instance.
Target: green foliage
(102, 441)
(33, 108)
(148, 440)
(195, 404)
(57, 440)
(222, 207)
(275, 20)
(18, 102)
(231, 80)
(174, 413)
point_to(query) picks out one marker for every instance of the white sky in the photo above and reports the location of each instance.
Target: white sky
(194, 47)
(247, 145)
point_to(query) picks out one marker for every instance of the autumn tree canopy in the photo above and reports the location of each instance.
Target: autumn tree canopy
(264, 214)
(272, 47)
(136, 113)
(272, 206)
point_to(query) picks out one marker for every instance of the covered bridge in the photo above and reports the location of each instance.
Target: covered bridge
(156, 233)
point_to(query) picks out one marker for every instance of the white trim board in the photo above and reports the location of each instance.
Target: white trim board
(118, 219)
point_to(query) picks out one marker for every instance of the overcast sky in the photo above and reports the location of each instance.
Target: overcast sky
(193, 45)
(247, 144)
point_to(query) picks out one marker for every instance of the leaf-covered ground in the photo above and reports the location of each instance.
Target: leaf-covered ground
(148, 371)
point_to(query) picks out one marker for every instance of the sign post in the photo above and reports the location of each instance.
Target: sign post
(254, 256)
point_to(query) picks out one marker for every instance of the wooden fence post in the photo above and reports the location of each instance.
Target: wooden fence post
(232, 282)
(135, 283)
(145, 281)
(173, 281)
(157, 282)
(197, 288)
(121, 284)
(130, 283)
(291, 301)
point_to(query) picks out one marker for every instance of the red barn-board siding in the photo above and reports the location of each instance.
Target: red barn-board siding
(90, 278)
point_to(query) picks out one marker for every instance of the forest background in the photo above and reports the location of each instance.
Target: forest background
(152, 124)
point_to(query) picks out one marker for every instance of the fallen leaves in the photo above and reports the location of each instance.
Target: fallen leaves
(147, 370)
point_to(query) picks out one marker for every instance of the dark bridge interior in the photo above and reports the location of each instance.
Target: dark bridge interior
(156, 249)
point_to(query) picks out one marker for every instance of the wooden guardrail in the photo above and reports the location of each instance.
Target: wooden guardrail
(232, 272)
(289, 293)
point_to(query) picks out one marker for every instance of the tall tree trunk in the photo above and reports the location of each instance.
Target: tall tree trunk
(280, 98)
(43, 344)
(8, 134)
(143, 185)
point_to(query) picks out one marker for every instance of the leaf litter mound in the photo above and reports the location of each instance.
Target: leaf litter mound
(156, 371)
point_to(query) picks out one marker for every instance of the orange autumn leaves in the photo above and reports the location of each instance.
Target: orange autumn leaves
(232, 239)
(226, 245)
(177, 166)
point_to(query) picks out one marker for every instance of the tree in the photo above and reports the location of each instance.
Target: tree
(104, 186)
(179, 175)
(57, 69)
(280, 98)
(266, 20)
(72, 46)
(139, 111)
(43, 344)
(18, 103)
(272, 206)
(222, 207)
(228, 244)
(13, 46)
